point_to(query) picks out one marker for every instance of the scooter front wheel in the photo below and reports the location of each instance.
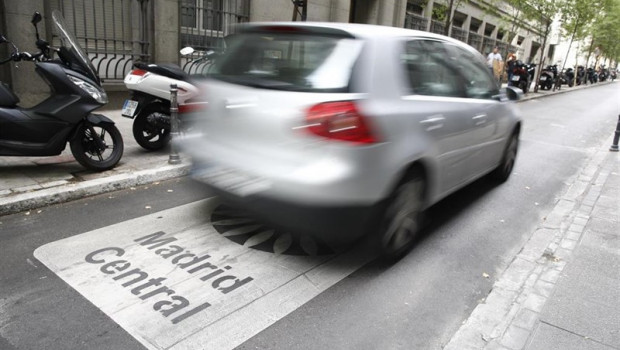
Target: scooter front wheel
(149, 128)
(97, 147)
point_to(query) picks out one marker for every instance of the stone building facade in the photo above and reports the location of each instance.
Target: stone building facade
(116, 33)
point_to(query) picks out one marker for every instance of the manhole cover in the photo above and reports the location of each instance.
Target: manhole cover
(242, 229)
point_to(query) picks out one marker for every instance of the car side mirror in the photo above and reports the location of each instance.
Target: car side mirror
(36, 18)
(513, 93)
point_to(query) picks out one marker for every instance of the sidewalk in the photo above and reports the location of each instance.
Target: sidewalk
(562, 291)
(32, 182)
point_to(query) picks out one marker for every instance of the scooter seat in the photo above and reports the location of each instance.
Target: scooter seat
(7, 98)
(168, 70)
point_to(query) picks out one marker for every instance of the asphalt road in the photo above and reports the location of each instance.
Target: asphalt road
(416, 303)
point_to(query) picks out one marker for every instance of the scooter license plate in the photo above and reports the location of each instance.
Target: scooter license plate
(515, 78)
(543, 78)
(129, 108)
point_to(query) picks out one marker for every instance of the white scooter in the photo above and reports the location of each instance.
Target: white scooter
(149, 103)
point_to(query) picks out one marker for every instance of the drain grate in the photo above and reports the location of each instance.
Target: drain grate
(242, 229)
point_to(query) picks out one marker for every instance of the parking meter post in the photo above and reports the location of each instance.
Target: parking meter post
(614, 145)
(174, 125)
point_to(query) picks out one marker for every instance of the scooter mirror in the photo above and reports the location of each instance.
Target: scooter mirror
(36, 18)
(187, 51)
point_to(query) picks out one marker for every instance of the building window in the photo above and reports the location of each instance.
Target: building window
(204, 23)
(415, 7)
(202, 14)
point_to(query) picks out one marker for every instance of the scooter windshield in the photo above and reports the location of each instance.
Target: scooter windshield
(72, 47)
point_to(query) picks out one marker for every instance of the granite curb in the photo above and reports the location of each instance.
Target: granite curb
(72, 191)
(507, 318)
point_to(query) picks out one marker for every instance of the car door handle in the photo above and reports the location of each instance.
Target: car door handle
(480, 119)
(433, 122)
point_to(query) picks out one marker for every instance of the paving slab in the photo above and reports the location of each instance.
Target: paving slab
(552, 338)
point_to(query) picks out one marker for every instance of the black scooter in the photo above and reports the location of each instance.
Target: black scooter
(548, 77)
(568, 77)
(581, 75)
(592, 75)
(603, 73)
(65, 116)
(522, 75)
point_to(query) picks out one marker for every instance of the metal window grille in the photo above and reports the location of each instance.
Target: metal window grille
(487, 45)
(437, 27)
(474, 40)
(459, 34)
(502, 47)
(113, 32)
(417, 22)
(203, 26)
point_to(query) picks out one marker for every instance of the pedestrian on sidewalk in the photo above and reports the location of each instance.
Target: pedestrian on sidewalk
(496, 64)
(511, 59)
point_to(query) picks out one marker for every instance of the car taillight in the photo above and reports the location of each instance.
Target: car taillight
(339, 121)
(139, 72)
(191, 107)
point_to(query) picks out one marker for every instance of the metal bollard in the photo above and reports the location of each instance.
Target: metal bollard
(174, 125)
(614, 145)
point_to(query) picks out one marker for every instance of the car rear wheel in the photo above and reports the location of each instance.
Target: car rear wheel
(401, 220)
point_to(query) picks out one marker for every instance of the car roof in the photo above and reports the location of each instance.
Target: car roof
(363, 31)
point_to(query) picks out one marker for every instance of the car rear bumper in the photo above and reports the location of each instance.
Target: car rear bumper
(335, 225)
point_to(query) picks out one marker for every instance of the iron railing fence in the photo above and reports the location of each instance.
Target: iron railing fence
(114, 33)
(487, 45)
(417, 22)
(437, 27)
(204, 24)
(502, 47)
(459, 34)
(475, 40)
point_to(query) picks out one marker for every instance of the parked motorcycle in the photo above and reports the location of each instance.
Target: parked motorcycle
(149, 103)
(581, 75)
(568, 77)
(522, 75)
(592, 75)
(65, 116)
(613, 74)
(548, 77)
(603, 74)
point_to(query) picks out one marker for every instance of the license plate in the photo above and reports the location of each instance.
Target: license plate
(231, 180)
(129, 108)
(515, 78)
(543, 78)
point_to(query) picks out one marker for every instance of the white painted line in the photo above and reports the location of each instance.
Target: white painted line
(173, 282)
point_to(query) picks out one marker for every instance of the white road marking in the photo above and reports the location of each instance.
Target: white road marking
(173, 282)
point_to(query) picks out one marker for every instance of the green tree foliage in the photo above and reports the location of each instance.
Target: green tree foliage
(444, 12)
(542, 13)
(606, 31)
(578, 17)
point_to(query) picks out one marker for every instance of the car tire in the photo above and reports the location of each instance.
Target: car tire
(504, 169)
(400, 222)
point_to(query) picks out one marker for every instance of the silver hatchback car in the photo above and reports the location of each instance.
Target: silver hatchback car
(338, 130)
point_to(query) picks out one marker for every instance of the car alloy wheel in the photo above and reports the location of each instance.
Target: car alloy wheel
(401, 219)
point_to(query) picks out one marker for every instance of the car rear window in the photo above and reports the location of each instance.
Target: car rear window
(289, 61)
